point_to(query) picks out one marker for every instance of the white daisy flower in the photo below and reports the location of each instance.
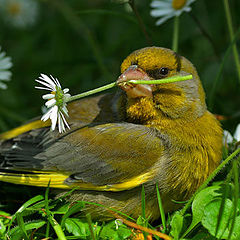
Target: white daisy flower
(228, 138)
(166, 9)
(5, 64)
(56, 102)
(19, 13)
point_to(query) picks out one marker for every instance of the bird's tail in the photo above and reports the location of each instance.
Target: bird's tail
(35, 178)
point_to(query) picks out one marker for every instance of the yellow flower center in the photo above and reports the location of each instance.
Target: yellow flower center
(178, 4)
(14, 8)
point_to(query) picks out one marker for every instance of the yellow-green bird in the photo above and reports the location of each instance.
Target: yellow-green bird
(142, 134)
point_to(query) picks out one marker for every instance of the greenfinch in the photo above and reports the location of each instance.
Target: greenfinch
(141, 135)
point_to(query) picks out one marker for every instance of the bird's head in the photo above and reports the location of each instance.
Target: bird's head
(145, 103)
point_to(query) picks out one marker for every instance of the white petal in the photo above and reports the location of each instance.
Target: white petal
(164, 19)
(161, 12)
(186, 9)
(64, 121)
(65, 90)
(5, 62)
(5, 75)
(3, 85)
(179, 12)
(44, 88)
(227, 137)
(50, 103)
(59, 124)
(54, 117)
(61, 127)
(51, 88)
(65, 110)
(55, 80)
(237, 133)
(48, 80)
(158, 4)
(47, 115)
(66, 96)
(48, 96)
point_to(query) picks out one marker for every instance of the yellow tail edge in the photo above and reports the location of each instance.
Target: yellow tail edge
(24, 128)
(38, 179)
(57, 180)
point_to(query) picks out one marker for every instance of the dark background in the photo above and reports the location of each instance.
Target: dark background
(83, 43)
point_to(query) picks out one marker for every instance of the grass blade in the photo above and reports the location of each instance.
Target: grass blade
(143, 203)
(235, 195)
(162, 213)
(90, 224)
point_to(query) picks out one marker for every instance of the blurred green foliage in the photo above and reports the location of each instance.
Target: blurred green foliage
(83, 43)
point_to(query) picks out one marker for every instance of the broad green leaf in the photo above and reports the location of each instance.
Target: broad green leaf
(77, 227)
(200, 201)
(124, 232)
(110, 231)
(176, 225)
(211, 219)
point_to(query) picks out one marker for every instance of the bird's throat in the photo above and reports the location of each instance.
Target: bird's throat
(141, 110)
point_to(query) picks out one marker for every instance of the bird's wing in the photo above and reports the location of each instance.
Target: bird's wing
(105, 157)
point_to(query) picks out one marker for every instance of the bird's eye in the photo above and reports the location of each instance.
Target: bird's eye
(158, 73)
(163, 71)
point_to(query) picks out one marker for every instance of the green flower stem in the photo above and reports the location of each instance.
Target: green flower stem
(111, 85)
(175, 34)
(91, 92)
(230, 29)
(210, 178)
(160, 81)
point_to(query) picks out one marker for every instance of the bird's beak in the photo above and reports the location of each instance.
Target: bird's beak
(135, 90)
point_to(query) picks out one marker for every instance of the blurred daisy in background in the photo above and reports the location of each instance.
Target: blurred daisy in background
(165, 9)
(19, 13)
(228, 138)
(5, 64)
